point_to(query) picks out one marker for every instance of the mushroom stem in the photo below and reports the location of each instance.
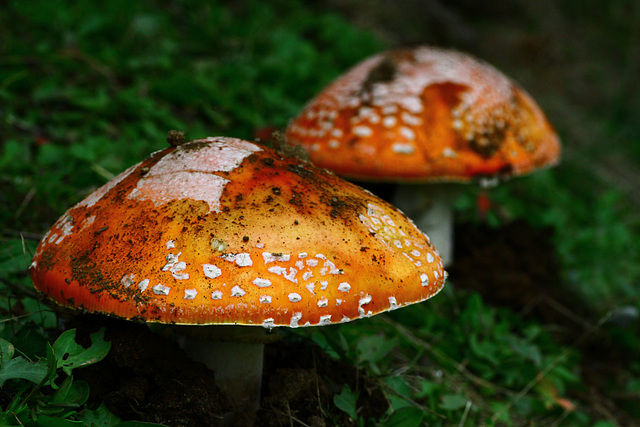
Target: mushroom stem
(235, 354)
(430, 206)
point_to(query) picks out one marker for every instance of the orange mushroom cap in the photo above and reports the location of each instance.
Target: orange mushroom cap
(425, 114)
(223, 231)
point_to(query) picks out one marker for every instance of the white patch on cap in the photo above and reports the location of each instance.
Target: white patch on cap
(277, 270)
(393, 304)
(338, 301)
(389, 121)
(312, 262)
(95, 196)
(325, 320)
(211, 271)
(268, 323)
(345, 319)
(430, 257)
(143, 284)
(424, 279)
(242, 259)
(324, 284)
(415, 252)
(272, 257)
(323, 302)
(265, 299)
(307, 275)
(364, 301)
(127, 280)
(403, 148)
(190, 293)
(237, 291)
(216, 295)
(189, 172)
(260, 245)
(160, 289)
(262, 283)
(333, 143)
(344, 287)
(294, 297)
(303, 255)
(291, 276)
(310, 287)
(449, 152)
(33, 265)
(171, 244)
(295, 318)
(362, 131)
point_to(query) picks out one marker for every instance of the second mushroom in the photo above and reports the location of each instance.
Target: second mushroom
(425, 116)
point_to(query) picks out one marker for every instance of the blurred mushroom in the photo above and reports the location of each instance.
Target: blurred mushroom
(221, 231)
(425, 115)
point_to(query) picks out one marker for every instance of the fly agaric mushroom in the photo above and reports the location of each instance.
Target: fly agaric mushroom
(221, 231)
(425, 115)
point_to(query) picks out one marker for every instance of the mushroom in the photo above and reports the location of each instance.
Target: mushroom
(224, 232)
(425, 115)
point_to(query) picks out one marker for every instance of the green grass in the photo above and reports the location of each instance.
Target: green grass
(85, 93)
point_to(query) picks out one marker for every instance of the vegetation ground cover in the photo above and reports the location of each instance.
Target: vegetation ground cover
(85, 92)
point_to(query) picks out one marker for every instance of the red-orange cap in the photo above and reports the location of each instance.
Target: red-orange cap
(425, 114)
(223, 231)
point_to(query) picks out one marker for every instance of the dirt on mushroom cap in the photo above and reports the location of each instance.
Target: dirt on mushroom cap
(425, 114)
(221, 230)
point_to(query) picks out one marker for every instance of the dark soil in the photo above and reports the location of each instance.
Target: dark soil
(147, 377)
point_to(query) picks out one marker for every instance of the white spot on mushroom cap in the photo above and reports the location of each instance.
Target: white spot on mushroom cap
(402, 148)
(262, 283)
(277, 270)
(362, 131)
(160, 289)
(325, 320)
(265, 299)
(171, 244)
(237, 291)
(323, 302)
(294, 297)
(430, 257)
(190, 293)
(344, 287)
(268, 323)
(127, 280)
(272, 257)
(186, 173)
(143, 284)
(393, 304)
(216, 294)
(211, 271)
(242, 259)
(424, 279)
(295, 318)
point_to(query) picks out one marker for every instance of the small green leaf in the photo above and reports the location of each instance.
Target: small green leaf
(100, 417)
(71, 355)
(49, 421)
(19, 368)
(347, 401)
(407, 416)
(6, 351)
(453, 401)
(374, 348)
(71, 392)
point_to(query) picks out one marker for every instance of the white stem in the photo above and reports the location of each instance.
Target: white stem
(235, 354)
(430, 207)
